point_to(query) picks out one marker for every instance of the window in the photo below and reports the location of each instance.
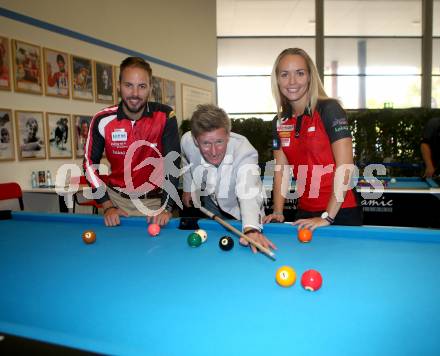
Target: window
(372, 18)
(253, 18)
(245, 94)
(244, 68)
(372, 72)
(372, 51)
(435, 99)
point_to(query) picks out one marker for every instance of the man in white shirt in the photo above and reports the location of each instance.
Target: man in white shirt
(224, 176)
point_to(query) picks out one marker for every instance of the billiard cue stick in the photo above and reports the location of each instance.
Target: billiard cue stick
(239, 233)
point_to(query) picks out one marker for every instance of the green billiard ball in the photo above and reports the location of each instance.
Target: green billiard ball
(194, 240)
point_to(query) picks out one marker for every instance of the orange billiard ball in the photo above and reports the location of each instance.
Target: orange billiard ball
(89, 236)
(285, 276)
(304, 235)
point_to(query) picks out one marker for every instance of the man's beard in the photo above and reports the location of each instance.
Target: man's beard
(136, 109)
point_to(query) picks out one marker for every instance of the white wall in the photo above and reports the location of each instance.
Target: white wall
(181, 33)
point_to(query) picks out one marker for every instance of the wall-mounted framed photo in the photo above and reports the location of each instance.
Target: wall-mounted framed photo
(193, 96)
(82, 78)
(27, 67)
(31, 138)
(59, 135)
(81, 131)
(117, 93)
(56, 79)
(156, 89)
(169, 93)
(5, 64)
(104, 83)
(7, 147)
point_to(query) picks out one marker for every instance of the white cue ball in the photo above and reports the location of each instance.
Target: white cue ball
(202, 234)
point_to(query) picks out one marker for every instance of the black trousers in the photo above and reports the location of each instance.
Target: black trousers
(346, 216)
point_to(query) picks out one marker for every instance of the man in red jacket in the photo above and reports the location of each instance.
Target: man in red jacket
(136, 135)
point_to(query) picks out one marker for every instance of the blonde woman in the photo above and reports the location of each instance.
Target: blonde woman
(311, 134)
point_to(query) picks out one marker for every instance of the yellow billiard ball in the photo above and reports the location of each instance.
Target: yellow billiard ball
(285, 276)
(89, 236)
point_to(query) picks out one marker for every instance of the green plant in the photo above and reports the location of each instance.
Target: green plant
(184, 126)
(390, 136)
(259, 134)
(257, 131)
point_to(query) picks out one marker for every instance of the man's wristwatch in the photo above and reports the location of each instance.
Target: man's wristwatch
(327, 217)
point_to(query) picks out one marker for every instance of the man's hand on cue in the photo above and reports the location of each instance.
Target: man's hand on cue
(259, 237)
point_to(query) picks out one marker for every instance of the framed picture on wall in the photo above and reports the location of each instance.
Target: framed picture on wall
(169, 93)
(5, 64)
(31, 139)
(56, 79)
(27, 67)
(81, 131)
(7, 151)
(104, 83)
(117, 93)
(59, 135)
(156, 89)
(82, 78)
(193, 96)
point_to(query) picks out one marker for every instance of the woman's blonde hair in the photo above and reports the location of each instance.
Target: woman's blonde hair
(315, 91)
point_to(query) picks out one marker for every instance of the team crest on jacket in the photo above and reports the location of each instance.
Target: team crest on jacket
(119, 135)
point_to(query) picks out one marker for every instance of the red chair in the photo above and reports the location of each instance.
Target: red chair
(11, 191)
(78, 197)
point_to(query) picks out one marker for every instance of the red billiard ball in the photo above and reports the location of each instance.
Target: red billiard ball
(89, 236)
(153, 229)
(311, 280)
(304, 235)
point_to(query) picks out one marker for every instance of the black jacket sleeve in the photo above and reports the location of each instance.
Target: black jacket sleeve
(93, 150)
(170, 143)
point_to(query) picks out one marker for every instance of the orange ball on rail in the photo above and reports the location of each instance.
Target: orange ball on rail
(304, 235)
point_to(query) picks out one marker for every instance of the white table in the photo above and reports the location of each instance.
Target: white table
(51, 199)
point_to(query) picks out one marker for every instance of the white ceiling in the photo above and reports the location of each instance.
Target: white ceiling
(341, 17)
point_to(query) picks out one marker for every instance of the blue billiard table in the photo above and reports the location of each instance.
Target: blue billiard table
(130, 293)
